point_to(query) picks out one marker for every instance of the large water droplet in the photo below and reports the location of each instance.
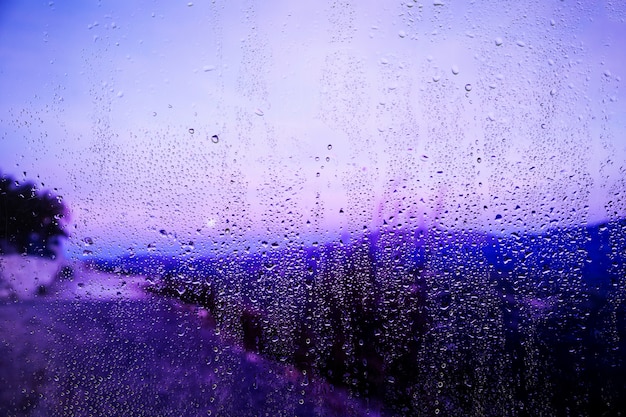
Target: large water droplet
(191, 130)
(468, 87)
(498, 41)
(455, 69)
(259, 112)
(215, 139)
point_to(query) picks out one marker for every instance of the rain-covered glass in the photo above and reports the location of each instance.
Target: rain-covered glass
(334, 208)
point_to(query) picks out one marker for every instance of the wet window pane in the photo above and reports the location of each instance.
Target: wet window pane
(322, 209)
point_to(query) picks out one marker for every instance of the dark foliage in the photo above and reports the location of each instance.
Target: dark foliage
(31, 220)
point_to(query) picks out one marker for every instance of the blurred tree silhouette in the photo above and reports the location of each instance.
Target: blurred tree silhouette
(31, 220)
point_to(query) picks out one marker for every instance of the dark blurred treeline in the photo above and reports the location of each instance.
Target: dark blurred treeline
(31, 220)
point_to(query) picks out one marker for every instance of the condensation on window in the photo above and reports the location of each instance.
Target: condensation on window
(312, 209)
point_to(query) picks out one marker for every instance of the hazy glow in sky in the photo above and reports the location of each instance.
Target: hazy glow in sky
(328, 116)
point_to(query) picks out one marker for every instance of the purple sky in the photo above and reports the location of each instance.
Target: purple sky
(485, 117)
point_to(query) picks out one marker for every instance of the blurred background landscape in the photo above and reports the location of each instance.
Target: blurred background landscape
(402, 322)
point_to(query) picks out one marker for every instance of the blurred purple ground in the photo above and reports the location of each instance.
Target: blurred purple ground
(143, 358)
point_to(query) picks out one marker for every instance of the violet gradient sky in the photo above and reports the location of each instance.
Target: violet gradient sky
(330, 116)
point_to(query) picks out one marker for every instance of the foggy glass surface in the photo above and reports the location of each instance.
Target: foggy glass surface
(323, 208)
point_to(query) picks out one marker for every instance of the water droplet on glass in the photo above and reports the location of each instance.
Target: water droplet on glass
(521, 43)
(468, 87)
(215, 139)
(498, 41)
(553, 92)
(330, 147)
(259, 112)
(436, 78)
(607, 73)
(552, 22)
(402, 34)
(455, 70)
(191, 130)
(208, 68)
(120, 94)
